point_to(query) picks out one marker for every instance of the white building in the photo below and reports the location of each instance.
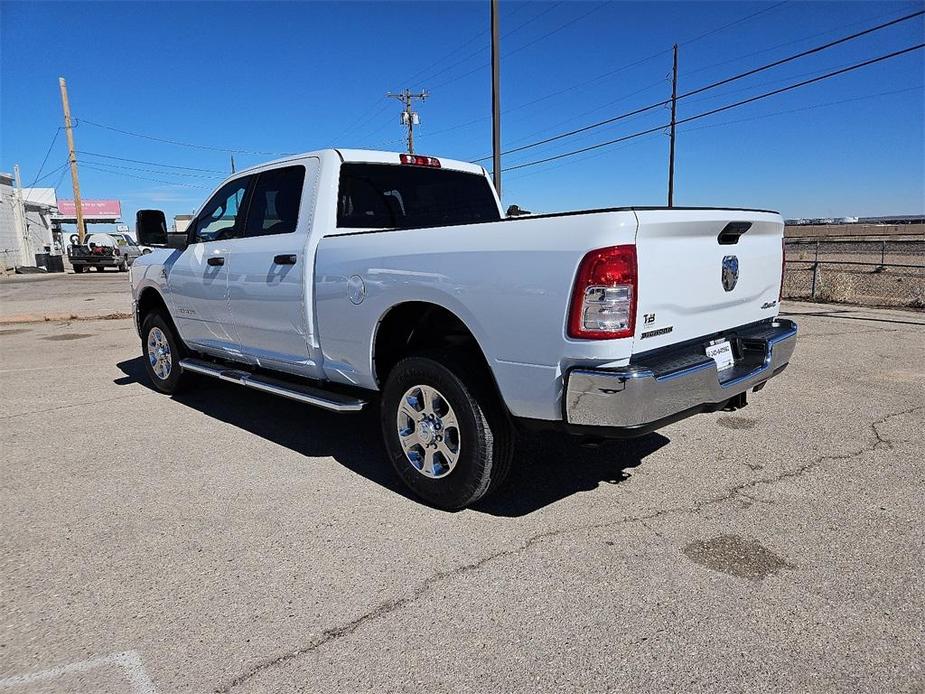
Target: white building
(25, 224)
(181, 222)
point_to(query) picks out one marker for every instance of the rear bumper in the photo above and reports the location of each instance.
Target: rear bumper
(662, 388)
(101, 260)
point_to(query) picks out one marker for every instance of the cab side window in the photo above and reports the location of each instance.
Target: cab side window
(221, 218)
(274, 205)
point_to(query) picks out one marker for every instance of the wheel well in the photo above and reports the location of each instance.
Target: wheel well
(150, 301)
(415, 326)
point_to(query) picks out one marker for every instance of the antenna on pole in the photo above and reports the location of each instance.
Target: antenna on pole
(409, 117)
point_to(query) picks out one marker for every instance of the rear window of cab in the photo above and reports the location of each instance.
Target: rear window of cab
(390, 196)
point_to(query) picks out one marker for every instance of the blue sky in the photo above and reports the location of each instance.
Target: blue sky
(288, 77)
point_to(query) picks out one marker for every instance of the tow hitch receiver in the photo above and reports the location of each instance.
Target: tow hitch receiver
(736, 402)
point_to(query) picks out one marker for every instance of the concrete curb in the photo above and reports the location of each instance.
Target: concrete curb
(51, 317)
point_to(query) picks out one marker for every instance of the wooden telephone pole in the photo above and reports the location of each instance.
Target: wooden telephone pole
(72, 158)
(674, 112)
(408, 117)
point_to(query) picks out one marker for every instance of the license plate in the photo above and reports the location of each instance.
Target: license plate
(721, 353)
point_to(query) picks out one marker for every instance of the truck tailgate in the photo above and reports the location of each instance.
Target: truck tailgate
(683, 255)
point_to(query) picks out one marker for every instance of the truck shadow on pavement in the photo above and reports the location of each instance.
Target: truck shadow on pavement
(548, 467)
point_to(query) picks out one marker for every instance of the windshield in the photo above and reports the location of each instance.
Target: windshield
(376, 196)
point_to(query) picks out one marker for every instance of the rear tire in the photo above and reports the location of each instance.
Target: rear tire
(162, 353)
(78, 269)
(447, 436)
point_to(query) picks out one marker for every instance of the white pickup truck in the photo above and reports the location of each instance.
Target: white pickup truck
(344, 278)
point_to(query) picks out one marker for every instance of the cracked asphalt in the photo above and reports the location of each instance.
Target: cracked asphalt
(227, 541)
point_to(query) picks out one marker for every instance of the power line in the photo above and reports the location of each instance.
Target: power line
(803, 54)
(804, 83)
(523, 47)
(50, 173)
(482, 49)
(558, 29)
(720, 109)
(157, 171)
(416, 76)
(611, 72)
(730, 122)
(142, 178)
(593, 110)
(713, 85)
(563, 91)
(379, 106)
(727, 94)
(179, 143)
(605, 74)
(361, 122)
(151, 163)
(732, 24)
(804, 108)
(807, 37)
(61, 177)
(588, 149)
(45, 159)
(569, 133)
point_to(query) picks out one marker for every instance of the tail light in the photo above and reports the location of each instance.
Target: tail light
(604, 299)
(783, 267)
(419, 160)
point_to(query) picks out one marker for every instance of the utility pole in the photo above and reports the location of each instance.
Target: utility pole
(674, 112)
(26, 255)
(72, 157)
(496, 95)
(232, 163)
(409, 118)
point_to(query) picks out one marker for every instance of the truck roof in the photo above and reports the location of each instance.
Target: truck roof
(370, 156)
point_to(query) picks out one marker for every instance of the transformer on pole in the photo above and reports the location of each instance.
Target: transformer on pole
(409, 117)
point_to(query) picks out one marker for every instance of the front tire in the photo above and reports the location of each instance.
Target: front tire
(447, 438)
(162, 353)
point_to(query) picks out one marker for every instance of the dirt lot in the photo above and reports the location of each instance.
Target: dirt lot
(871, 272)
(227, 541)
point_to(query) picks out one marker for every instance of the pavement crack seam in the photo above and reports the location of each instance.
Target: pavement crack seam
(390, 606)
(76, 404)
(381, 610)
(802, 469)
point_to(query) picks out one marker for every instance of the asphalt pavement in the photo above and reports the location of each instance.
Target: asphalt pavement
(224, 540)
(100, 294)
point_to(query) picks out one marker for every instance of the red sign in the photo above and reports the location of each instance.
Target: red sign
(105, 209)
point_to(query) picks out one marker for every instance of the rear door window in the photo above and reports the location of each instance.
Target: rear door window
(377, 196)
(274, 204)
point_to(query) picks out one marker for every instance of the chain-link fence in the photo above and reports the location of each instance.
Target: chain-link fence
(873, 272)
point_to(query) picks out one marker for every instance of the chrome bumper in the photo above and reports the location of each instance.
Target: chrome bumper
(637, 396)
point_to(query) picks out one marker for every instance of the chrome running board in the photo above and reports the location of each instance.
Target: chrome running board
(335, 402)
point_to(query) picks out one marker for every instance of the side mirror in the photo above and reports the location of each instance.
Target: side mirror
(151, 228)
(516, 211)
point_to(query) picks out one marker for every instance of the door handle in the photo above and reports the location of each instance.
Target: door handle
(285, 259)
(216, 260)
